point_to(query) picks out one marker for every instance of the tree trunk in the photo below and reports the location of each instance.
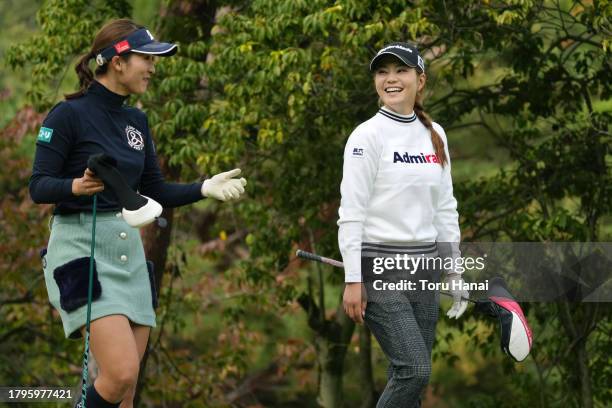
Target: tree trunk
(330, 357)
(332, 338)
(584, 374)
(182, 21)
(332, 344)
(573, 318)
(366, 378)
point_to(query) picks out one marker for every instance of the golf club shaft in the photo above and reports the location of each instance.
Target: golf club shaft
(318, 258)
(89, 296)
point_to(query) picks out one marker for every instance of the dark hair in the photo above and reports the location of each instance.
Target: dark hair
(111, 32)
(436, 140)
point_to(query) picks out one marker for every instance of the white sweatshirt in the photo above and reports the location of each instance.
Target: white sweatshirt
(394, 190)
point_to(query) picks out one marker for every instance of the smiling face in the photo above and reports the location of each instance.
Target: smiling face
(397, 85)
(132, 74)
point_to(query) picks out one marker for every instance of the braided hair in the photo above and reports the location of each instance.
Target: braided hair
(436, 140)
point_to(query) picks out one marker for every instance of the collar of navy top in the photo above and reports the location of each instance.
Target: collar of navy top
(396, 116)
(106, 96)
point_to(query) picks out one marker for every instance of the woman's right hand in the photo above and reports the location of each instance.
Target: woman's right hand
(89, 184)
(354, 301)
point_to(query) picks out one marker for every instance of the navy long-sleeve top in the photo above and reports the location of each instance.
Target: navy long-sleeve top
(99, 122)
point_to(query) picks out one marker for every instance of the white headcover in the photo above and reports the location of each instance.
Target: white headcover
(520, 338)
(144, 215)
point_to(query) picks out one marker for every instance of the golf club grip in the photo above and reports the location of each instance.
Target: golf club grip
(313, 257)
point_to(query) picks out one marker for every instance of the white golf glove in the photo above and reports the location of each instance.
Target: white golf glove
(460, 295)
(223, 186)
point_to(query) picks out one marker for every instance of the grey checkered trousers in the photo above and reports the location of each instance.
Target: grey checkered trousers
(404, 324)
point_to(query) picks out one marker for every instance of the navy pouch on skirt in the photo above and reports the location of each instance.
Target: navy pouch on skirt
(72, 279)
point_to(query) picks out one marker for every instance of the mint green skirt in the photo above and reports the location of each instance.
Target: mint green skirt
(123, 284)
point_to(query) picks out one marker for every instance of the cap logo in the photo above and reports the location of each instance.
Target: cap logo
(401, 47)
(122, 46)
(150, 35)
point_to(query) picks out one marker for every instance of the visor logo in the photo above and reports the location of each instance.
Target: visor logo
(122, 46)
(134, 138)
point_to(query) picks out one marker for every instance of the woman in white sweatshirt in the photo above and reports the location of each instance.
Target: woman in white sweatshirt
(397, 202)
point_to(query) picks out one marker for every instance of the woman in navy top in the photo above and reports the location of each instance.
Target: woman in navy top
(97, 120)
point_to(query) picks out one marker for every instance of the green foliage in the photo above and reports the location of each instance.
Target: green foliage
(67, 29)
(17, 24)
(292, 84)
(32, 345)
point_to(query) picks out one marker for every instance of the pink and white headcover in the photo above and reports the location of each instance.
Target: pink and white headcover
(516, 335)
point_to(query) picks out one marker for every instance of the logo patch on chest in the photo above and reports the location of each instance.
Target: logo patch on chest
(134, 138)
(414, 158)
